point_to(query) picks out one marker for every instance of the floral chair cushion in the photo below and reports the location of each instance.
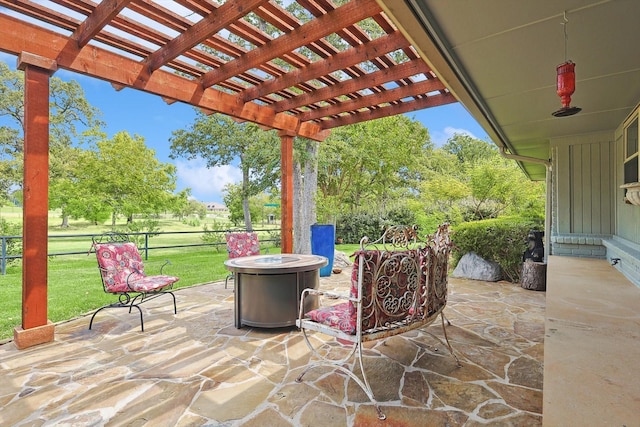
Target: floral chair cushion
(242, 244)
(123, 271)
(336, 316)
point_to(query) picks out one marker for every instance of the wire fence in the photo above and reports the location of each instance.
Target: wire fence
(81, 244)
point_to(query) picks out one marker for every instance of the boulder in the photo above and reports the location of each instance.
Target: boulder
(473, 266)
(341, 260)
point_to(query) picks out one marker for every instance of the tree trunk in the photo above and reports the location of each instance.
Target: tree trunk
(305, 185)
(534, 276)
(65, 221)
(245, 199)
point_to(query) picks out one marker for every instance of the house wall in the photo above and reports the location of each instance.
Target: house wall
(583, 208)
(624, 246)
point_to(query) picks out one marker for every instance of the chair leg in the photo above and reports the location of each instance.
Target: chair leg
(446, 318)
(230, 276)
(340, 364)
(444, 331)
(175, 307)
(118, 305)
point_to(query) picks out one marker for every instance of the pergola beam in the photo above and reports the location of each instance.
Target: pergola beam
(398, 72)
(376, 99)
(390, 110)
(122, 71)
(339, 61)
(216, 21)
(315, 29)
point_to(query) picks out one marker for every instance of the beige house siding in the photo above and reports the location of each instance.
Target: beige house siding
(583, 194)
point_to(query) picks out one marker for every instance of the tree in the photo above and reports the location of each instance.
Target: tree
(469, 150)
(220, 141)
(371, 166)
(122, 175)
(467, 180)
(233, 200)
(305, 185)
(72, 121)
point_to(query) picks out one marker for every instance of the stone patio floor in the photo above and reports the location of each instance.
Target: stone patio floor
(196, 368)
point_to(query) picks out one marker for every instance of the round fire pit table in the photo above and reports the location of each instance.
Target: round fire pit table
(268, 287)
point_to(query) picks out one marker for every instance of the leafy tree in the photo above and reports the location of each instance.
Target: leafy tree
(72, 121)
(182, 205)
(467, 180)
(123, 176)
(234, 201)
(221, 141)
(469, 150)
(372, 165)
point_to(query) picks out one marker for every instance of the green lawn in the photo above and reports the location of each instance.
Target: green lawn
(74, 286)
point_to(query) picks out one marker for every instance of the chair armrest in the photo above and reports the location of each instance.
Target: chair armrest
(166, 262)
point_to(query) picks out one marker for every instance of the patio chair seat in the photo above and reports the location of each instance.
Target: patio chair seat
(335, 316)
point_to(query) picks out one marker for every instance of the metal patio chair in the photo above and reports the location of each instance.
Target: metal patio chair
(241, 244)
(122, 273)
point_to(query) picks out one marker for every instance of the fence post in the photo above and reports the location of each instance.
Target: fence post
(146, 246)
(3, 260)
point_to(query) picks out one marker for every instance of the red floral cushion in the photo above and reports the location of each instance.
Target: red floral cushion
(336, 316)
(242, 244)
(122, 269)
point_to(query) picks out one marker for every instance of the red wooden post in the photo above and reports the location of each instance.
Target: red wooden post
(286, 197)
(35, 327)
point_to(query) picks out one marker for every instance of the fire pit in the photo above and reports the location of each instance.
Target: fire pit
(268, 287)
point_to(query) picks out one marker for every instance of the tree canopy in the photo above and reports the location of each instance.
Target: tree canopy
(122, 176)
(221, 141)
(72, 121)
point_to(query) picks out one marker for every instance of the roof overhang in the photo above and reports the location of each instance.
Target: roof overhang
(499, 59)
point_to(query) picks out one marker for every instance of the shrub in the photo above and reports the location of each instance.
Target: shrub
(214, 236)
(147, 224)
(502, 240)
(275, 237)
(352, 227)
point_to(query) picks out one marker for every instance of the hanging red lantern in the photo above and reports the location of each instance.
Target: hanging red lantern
(566, 87)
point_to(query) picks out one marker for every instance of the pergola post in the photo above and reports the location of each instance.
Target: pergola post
(36, 328)
(286, 196)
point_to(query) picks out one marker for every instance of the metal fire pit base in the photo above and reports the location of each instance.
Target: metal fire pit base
(268, 288)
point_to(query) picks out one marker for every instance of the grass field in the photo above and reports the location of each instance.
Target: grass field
(74, 286)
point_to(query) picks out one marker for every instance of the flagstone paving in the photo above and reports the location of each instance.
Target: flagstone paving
(195, 368)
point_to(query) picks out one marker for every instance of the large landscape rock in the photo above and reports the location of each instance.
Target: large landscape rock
(341, 260)
(473, 266)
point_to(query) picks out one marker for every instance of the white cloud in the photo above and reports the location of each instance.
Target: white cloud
(206, 183)
(440, 137)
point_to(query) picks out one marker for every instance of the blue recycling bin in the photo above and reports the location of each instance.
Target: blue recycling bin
(323, 243)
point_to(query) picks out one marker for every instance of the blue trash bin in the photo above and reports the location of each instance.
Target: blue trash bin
(323, 243)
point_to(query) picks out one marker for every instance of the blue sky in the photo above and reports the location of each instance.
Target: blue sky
(149, 116)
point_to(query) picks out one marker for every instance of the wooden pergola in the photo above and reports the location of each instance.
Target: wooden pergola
(318, 73)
